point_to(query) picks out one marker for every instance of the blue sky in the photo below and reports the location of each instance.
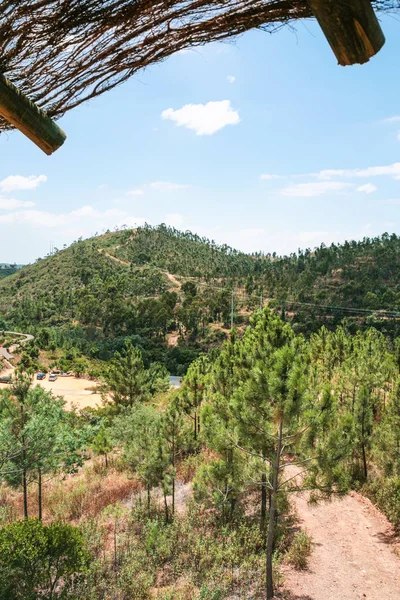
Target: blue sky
(264, 144)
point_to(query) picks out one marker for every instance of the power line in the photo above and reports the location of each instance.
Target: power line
(263, 301)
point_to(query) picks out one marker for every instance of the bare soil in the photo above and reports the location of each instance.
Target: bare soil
(173, 338)
(353, 554)
(77, 392)
(175, 282)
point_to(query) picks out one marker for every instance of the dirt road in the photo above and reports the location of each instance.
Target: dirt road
(353, 556)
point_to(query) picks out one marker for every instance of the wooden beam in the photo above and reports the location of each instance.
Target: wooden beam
(33, 122)
(351, 28)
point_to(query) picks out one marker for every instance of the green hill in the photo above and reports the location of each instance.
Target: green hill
(7, 269)
(172, 291)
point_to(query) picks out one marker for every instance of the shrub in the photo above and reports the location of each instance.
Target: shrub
(385, 493)
(40, 561)
(299, 551)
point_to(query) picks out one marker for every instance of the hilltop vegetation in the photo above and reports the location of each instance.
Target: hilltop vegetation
(6, 270)
(171, 292)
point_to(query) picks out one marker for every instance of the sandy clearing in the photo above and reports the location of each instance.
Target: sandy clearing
(76, 392)
(353, 557)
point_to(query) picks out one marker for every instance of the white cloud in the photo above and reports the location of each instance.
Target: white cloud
(167, 186)
(394, 119)
(204, 119)
(268, 176)
(174, 220)
(393, 201)
(389, 170)
(83, 217)
(368, 188)
(231, 78)
(314, 188)
(11, 204)
(137, 192)
(19, 182)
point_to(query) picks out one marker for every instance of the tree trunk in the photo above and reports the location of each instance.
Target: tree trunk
(173, 478)
(263, 502)
(39, 494)
(271, 525)
(195, 426)
(106, 459)
(165, 506)
(115, 543)
(25, 490)
(365, 467)
(232, 507)
(364, 455)
(148, 501)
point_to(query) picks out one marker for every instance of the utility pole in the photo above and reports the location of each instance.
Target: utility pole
(232, 308)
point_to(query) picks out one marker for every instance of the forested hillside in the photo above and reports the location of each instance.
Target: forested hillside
(6, 270)
(173, 292)
(188, 493)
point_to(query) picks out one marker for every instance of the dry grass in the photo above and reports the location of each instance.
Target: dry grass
(187, 467)
(80, 496)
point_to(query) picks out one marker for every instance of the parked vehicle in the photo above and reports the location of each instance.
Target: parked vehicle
(52, 377)
(5, 379)
(41, 376)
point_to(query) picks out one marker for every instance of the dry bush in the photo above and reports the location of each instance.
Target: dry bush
(9, 504)
(187, 467)
(79, 496)
(86, 496)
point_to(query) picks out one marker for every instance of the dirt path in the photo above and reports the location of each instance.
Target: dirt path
(173, 279)
(114, 258)
(353, 556)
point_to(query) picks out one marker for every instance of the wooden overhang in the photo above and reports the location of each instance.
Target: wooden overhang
(350, 26)
(25, 115)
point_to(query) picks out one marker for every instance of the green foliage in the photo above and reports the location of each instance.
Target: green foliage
(299, 551)
(7, 270)
(126, 284)
(102, 443)
(38, 561)
(385, 492)
(139, 431)
(40, 437)
(188, 557)
(128, 382)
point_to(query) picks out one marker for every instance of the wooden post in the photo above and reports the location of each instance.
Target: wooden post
(33, 122)
(351, 28)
